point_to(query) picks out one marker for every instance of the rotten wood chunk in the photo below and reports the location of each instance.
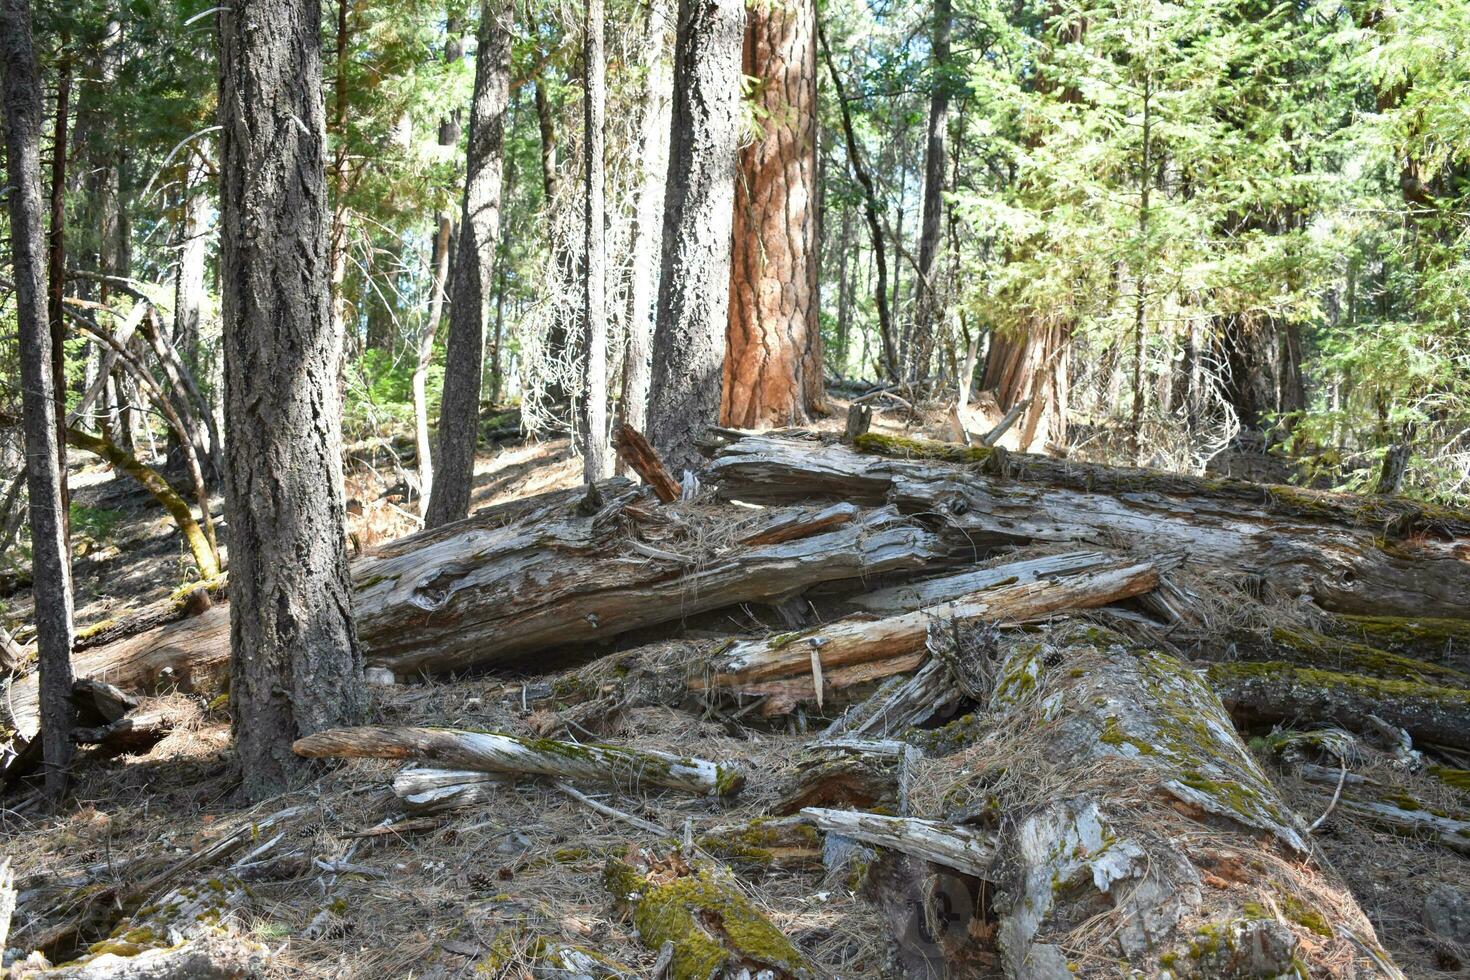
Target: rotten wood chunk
(900, 703)
(717, 934)
(854, 651)
(137, 732)
(765, 842)
(909, 596)
(1350, 554)
(496, 752)
(426, 791)
(1272, 692)
(861, 774)
(635, 450)
(101, 701)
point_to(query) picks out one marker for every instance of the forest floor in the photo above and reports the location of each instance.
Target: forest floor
(473, 892)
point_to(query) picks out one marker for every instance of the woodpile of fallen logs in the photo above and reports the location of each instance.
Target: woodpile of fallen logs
(1052, 745)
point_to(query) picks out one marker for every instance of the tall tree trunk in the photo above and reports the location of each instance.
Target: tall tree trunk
(56, 268)
(694, 287)
(560, 265)
(1140, 315)
(449, 128)
(51, 568)
(928, 306)
(773, 364)
(844, 292)
(596, 452)
(189, 288)
(296, 665)
(474, 262)
(649, 223)
(337, 240)
(890, 362)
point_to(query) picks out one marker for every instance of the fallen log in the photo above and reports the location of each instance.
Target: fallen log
(1349, 554)
(425, 791)
(909, 596)
(1440, 641)
(1307, 648)
(717, 934)
(854, 651)
(1145, 840)
(899, 704)
(138, 731)
(1274, 692)
(1388, 808)
(764, 843)
(495, 752)
(492, 595)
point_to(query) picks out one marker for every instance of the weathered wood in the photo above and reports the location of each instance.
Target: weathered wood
(136, 732)
(909, 596)
(634, 450)
(1350, 554)
(717, 933)
(496, 752)
(1441, 641)
(848, 645)
(97, 699)
(484, 595)
(764, 843)
(1149, 836)
(425, 790)
(964, 849)
(899, 704)
(1271, 692)
(861, 774)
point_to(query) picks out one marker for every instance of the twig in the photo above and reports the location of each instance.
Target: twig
(1336, 794)
(608, 811)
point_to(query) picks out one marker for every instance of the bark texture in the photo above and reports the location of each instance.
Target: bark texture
(474, 265)
(694, 285)
(927, 305)
(596, 453)
(1348, 553)
(296, 667)
(51, 560)
(1032, 369)
(773, 361)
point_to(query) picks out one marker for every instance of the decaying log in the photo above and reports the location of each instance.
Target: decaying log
(1146, 839)
(716, 932)
(1306, 648)
(899, 704)
(964, 849)
(1268, 693)
(764, 843)
(425, 791)
(136, 732)
(641, 457)
(100, 700)
(861, 774)
(854, 651)
(496, 752)
(1440, 641)
(445, 600)
(909, 596)
(186, 935)
(1350, 554)
(1370, 801)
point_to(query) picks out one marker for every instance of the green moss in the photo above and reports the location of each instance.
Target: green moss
(1317, 650)
(1112, 734)
(571, 855)
(905, 448)
(1366, 687)
(1304, 914)
(1427, 636)
(1455, 778)
(711, 924)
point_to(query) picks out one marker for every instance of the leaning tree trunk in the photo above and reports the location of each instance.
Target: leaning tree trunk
(51, 568)
(596, 452)
(694, 290)
(474, 263)
(648, 226)
(297, 667)
(773, 362)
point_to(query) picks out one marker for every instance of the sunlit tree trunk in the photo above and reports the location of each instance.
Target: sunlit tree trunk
(927, 308)
(474, 266)
(773, 362)
(648, 227)
(1034, 367)
(596, 452)
(296, 666)
(51, 567)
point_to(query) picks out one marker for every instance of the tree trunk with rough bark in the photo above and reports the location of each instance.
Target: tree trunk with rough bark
(474, 265)
(297, 667)
(1031, 367)
(597, 455)
(694, 284)
(773, 359)
(51, 562)
(648, 227)
(927, 307)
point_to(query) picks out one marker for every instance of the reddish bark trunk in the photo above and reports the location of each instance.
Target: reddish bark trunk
(773, 364)
(1032, 367)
